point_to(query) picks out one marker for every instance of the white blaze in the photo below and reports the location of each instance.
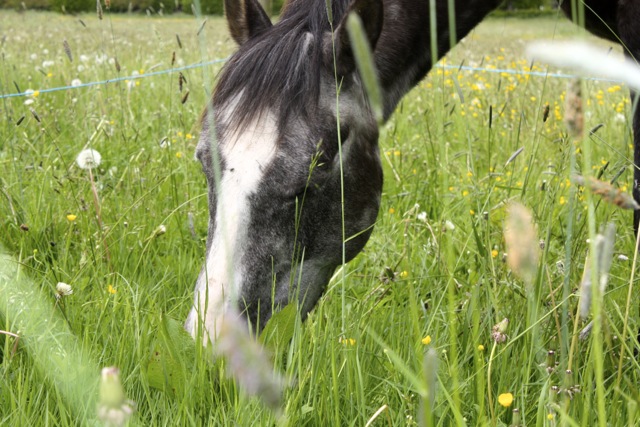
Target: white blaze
(246, 153)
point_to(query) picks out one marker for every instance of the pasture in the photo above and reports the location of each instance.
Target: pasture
(405, 333)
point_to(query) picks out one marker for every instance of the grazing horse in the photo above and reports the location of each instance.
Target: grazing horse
(293, 170)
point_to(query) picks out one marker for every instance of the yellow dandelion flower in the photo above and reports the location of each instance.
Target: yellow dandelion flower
(71, 217)
(562, 200)
(111, 289)
(465, 193)
(469, 174)
(426, 340)
(550, 416)
(505, 399)
(179, 154)
(397, 153)
(472, 212)
(480, 347)
(494, 253)
(392, 211)
(404, 274)
(35, 94)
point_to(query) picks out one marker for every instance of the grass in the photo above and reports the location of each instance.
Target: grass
(434, 266)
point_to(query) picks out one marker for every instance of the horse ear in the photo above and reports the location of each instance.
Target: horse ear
(371, 13)
(246, 19)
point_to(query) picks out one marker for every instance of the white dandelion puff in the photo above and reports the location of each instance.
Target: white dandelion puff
(88, 159)
(76, 82)
(63, 290)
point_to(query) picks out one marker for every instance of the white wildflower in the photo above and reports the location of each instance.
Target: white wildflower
(28, 101)
(48, 63)
(449, 225)
(63, 290)
(422, 216)
(76, 82)
(620, 118)
(88, 159)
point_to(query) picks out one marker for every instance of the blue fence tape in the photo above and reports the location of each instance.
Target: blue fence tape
(117, 79)
(523, 72)
(218, 61)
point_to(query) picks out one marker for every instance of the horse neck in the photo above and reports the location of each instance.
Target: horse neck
(403, 52)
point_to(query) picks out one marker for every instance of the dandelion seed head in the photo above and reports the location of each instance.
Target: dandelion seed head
(88, 159)
(63, 290)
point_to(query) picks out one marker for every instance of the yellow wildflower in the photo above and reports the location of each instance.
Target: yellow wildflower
(426, 340)
(71, 217)
(347, 341)
(111, 289)
(505, 399)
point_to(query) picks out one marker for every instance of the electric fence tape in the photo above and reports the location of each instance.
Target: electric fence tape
(218, 61)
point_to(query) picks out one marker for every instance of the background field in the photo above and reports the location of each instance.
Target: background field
(434, 266)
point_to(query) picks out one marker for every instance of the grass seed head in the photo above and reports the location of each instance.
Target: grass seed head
(248, 363)
(67, 49)
(574, 117)
(523, 247)
(607, 192)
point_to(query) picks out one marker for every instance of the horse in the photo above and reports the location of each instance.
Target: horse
(289, 143)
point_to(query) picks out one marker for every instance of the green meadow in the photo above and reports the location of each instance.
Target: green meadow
(411, 332)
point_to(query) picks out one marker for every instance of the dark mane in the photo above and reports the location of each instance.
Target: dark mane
(280, 69)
